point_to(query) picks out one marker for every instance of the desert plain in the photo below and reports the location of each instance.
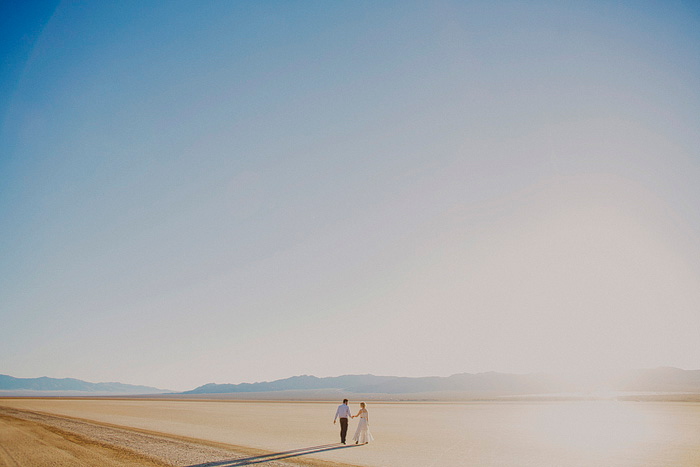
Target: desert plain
(222, 433)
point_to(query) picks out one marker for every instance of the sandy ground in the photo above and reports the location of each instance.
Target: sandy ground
(249, 427)
(504, 434)
(29, 443)
(32, 439)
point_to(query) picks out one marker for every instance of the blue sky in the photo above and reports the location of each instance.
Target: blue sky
(242, 191)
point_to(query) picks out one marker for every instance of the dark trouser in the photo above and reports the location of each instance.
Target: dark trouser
(343, 429)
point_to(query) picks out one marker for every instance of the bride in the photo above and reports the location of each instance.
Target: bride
(362, 435)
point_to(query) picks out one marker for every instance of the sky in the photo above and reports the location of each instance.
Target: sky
(196, 192)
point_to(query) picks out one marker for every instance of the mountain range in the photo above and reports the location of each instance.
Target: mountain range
(490, 384)
(70, 386)
(663, 379)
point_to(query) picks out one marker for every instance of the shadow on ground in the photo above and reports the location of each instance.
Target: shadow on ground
(275, 456)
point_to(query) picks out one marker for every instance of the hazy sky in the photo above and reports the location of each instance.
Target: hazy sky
(196, 192)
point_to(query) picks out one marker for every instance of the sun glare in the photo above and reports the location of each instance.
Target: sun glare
(593, 428)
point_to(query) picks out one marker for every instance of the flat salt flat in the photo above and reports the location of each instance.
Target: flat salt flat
(571, 433)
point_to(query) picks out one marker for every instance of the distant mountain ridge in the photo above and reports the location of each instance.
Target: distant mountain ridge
(296, 383)
(657, 380)
(481, 382)
(663, 379)
(63, 385)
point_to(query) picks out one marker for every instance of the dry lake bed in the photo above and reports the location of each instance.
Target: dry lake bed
(515, 433)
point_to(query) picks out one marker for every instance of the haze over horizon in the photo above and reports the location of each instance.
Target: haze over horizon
(239, 192)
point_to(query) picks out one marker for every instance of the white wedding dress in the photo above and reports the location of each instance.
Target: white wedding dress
(362, 434)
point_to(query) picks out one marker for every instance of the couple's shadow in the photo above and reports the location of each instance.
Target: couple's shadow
(275, 456)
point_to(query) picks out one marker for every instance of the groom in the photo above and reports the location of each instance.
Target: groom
(343, 413)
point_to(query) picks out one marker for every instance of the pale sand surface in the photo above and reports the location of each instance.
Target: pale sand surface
(33, 438)
(25, 443)
(634, 434)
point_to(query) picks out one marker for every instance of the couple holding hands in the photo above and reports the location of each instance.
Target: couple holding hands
(362, 435)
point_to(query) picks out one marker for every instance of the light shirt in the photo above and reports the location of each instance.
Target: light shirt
(342, 412)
